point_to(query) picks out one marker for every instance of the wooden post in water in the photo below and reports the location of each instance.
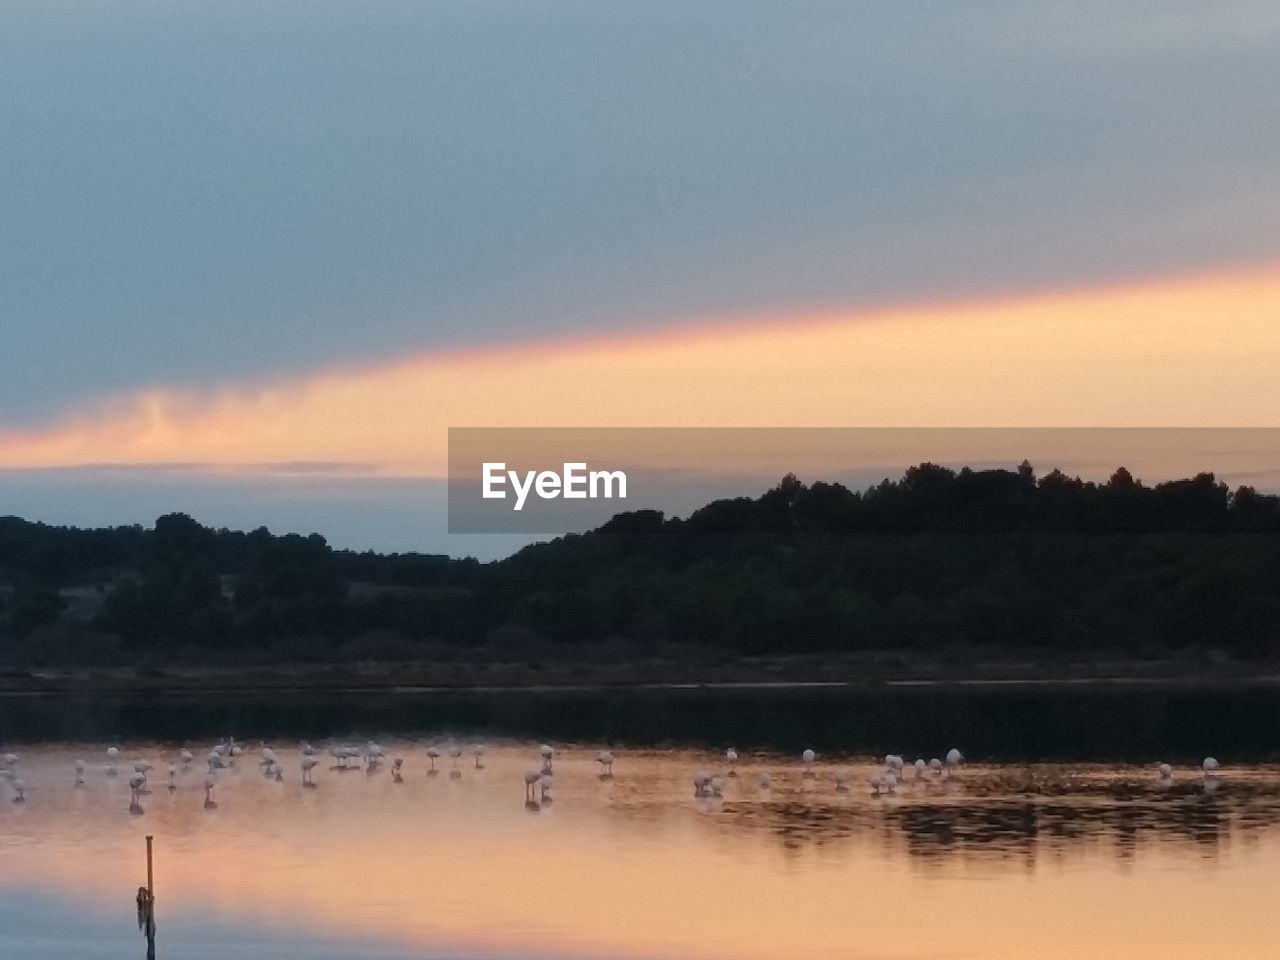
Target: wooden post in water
(147, 904)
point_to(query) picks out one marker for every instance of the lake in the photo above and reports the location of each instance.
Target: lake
(1053, 839)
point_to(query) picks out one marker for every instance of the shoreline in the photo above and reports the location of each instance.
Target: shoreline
(893, 674)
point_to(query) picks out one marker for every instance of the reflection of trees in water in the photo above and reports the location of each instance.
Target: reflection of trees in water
(1051, 819)
(1100, 723)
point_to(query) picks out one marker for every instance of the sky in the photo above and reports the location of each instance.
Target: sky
(255, 260)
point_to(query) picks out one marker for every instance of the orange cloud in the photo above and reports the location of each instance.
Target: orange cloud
(1195, 351)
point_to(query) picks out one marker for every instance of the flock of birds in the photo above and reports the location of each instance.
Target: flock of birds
(539, 780)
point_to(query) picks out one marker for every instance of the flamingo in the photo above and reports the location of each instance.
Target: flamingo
(308, 764)
(455, 754)
(842, 780)
(531, 778)
(731, 757)
(268, 758)
(137, 782)
(1165, 773)
(80, 765)
(717, 787)
(808, 757)
(210, 781)
(173, 778)
(186, 757)
(1210, 768)
(342, 755)
(396, 775)
(605, 759)
(935, 766)
(112, 754)
(701, 783)
(921, 768)
(432, 754)
(545, 783)
(20, 789)
(478, 750)
(954, 759)
(547, 753)
(11, 764)
(307, 749)
(140, 769)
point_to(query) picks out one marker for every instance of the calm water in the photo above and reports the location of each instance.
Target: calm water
(1055, 840)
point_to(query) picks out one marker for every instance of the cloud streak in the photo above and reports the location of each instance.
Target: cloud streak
(1195, 351)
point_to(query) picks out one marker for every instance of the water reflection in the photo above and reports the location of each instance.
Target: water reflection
(1112, 723)
(367, 863)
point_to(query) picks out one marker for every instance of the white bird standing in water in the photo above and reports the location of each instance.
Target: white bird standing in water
(478, 750)
(20, 789)
(1210, 778)
(545, 783)
(531, 778)
(186, 757)
(842, 780)
(808, 757)
(701, 783)
(455, 754)
(173, 778)
(547, 754)
(308, 764)
(605, 759)
(432, 755)
(11, 765)
(80, 765)
(113, 754)
(136, 784)
(921, 768)
(396, 775)
(1165, 773)
(210, 781)
(731, 758)
(954, 759)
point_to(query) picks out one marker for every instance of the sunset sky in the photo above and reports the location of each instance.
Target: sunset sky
(256, 260)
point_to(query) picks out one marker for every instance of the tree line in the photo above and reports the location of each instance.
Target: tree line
(938, 560)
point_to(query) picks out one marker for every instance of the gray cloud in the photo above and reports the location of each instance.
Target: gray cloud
(201, 193)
